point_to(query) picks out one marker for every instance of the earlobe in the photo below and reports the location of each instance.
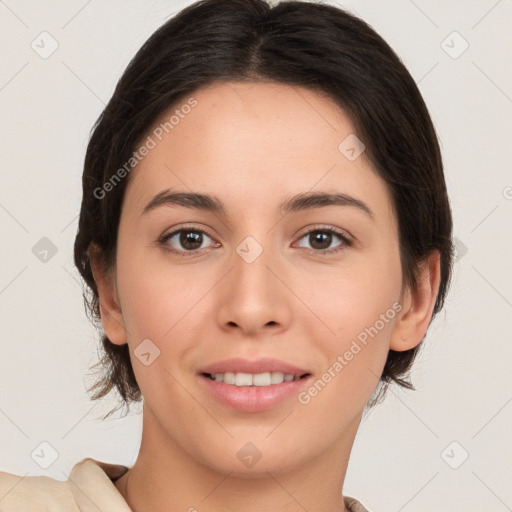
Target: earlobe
(111, 314)
(418, 305)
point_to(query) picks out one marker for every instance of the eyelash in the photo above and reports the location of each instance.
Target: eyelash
(316, 229)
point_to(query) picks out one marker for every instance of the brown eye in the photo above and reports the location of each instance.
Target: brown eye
(320, 239)
(190, 240)
(183, 241)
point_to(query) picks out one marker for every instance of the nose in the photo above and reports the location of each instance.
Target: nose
(252, 297)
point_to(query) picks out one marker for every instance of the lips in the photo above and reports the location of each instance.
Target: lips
(261, 395)
(263, 365)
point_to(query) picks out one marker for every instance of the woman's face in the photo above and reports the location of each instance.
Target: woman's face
(250, 282)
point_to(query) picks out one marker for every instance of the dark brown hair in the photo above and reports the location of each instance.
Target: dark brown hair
(317, 46)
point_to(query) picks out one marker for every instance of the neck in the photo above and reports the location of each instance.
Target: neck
(165, 477)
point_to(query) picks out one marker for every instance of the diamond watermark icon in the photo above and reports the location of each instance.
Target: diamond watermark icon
(351, 147)
(249, 455)
(146, 352)
(44, 45)
(460, 249)
(44, 250)
(454, 45)
(44, 455)
(249, 249)
(454, 455)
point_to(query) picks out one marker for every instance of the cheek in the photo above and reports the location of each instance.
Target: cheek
(354, 356)
(358, 309)
(351, 300)
(156, 295)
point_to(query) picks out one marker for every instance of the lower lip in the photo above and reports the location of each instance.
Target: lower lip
(253, 398)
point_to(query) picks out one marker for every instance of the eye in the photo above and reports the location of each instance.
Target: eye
(321, 237)
(188, 241)
(185, 241)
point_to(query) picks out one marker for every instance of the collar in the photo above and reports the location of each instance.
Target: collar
(91, 482)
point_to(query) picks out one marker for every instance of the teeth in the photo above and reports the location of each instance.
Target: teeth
(249, 379)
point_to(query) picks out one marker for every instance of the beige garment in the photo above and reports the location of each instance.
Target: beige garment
(89, 488)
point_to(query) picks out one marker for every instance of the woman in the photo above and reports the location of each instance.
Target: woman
(265, 235)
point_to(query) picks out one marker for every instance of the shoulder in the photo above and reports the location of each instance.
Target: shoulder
(352, 504)
(89, 479)
(19, 492)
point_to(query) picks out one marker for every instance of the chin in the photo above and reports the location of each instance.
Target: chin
(250, 463)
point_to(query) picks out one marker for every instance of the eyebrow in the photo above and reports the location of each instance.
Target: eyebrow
(303, 201)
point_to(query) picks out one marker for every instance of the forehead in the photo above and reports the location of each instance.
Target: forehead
(264, 140)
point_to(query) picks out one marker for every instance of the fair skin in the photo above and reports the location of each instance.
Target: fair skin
(254, 146)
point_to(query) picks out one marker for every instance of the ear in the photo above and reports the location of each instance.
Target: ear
(110, 309)
(417, 306)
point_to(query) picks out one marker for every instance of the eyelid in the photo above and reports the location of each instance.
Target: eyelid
(327, 227)
(191, 227)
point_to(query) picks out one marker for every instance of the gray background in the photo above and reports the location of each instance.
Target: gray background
(409, 453)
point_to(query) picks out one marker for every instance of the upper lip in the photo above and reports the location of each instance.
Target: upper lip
(263, 365)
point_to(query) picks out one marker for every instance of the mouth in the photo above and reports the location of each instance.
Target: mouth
(252, 393)
(252, 385)
(254, 380)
